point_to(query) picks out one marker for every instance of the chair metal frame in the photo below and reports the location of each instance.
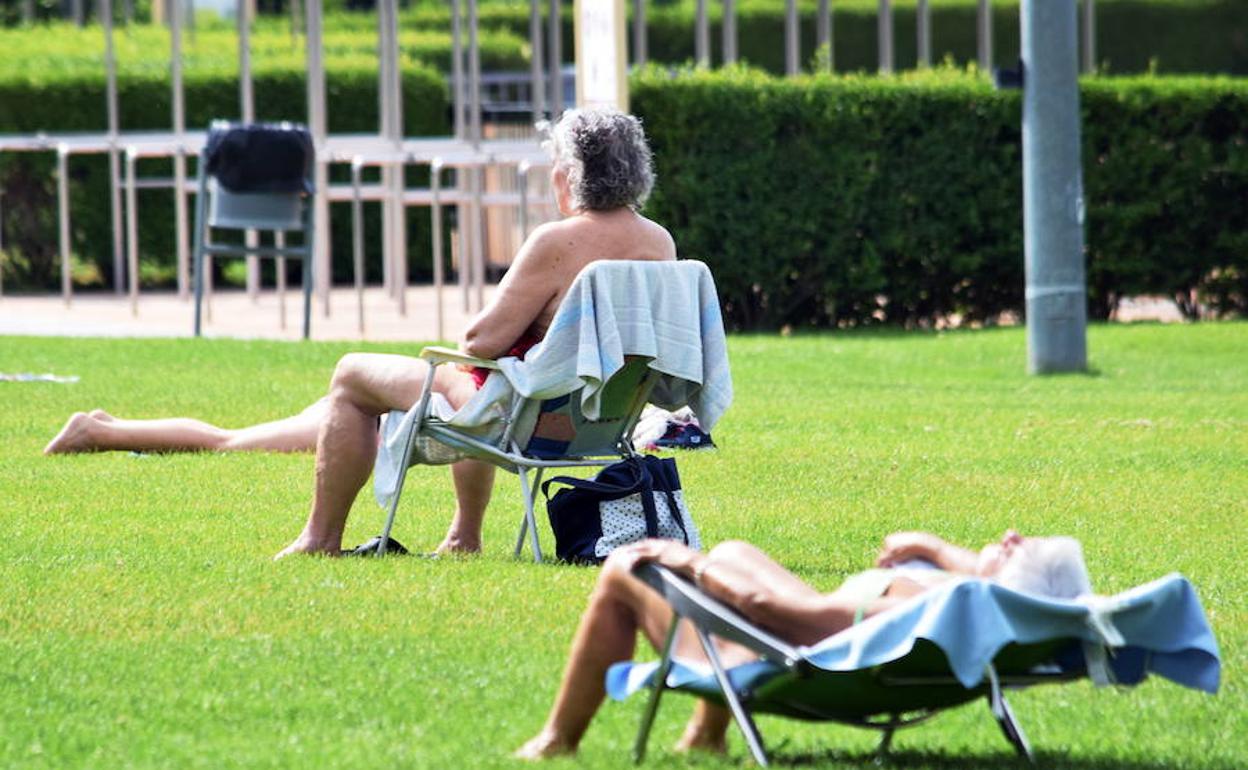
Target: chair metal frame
(205, 247)
(507, 453)
(710, 616)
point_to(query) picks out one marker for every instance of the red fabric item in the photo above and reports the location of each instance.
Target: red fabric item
(522, 346)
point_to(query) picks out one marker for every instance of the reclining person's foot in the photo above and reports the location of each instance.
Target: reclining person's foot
(544, 745)
(701, 743)
(74, 437)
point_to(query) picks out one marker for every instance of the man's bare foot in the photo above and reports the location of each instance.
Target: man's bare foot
(74, 437)
(544, 745)
(454, 545)
(304, 545)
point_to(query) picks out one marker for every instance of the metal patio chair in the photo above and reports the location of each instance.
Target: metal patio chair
(959, 642)
(255, 177)
(550, 411)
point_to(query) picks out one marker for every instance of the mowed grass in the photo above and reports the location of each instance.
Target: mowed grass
(142, 623)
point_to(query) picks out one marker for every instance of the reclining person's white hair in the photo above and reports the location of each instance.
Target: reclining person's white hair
(605, 156)
(1048, 566)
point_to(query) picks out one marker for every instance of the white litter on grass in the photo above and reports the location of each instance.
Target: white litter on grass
(28, 377)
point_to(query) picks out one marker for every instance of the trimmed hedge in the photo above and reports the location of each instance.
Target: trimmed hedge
(1173, 36)
(854, 200)
(45, 53)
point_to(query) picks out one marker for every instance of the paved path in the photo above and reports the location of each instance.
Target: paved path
(235, 315)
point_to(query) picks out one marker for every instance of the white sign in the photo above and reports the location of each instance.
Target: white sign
(601, 56)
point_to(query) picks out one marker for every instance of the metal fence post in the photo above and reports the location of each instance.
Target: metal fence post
(983, 37)
(132, 226)
(247, 112)
(555, 49)
(1089, 36)
(823, 34)
(884, 34)
(639, 33)
(923, 29)
(114, 156)
(792, 43)
(62, 201)
(536, 102)
(179, 159)
(701, 36)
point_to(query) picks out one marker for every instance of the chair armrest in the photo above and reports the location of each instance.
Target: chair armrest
(715, 617)
(440, 355)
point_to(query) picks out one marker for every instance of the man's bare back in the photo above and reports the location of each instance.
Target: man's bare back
(550, 260)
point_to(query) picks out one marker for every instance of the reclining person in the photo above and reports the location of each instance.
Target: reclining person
(602, 173)
(775, 599)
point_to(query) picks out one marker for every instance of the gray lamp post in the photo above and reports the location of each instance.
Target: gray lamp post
(1053, 207)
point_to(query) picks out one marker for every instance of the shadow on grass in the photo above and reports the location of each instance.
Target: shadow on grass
(995, 760)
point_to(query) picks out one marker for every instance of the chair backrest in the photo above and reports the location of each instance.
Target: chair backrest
(562, 431)
(258, 211)
(655, 323)
(258, 175)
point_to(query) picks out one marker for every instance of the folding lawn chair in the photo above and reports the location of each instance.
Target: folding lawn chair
(627, 332)
(255, 177)
(947, 646)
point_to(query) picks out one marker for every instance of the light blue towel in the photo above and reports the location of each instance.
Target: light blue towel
(1158, 627)
(666, 312)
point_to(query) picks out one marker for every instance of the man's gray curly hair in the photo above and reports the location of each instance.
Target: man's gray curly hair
(605, 156)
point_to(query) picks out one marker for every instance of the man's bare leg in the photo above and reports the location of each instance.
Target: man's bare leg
(364, 386)
(474, 482)
(99, 431)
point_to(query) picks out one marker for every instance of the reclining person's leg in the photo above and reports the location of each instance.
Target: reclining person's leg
(99, 431)
(364, 387)
(619, 607)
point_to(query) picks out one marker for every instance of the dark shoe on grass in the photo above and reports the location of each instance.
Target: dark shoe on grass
(393, 548)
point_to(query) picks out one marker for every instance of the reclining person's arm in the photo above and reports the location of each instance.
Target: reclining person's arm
(904, 546)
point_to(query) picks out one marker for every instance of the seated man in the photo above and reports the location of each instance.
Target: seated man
(601, 176)
(774, 598)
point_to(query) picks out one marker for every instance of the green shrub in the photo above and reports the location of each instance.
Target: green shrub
(1199, 36)
(47, 52)
(852, 200)
(1132, 35)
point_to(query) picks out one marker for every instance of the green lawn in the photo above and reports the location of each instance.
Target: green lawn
(142, 623)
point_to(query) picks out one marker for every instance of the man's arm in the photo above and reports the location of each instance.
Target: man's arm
(522, 295)
(904, 546)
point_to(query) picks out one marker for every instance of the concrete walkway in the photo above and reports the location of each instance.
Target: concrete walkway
(235, 315)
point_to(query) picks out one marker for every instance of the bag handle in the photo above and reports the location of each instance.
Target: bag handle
(640, 477)
(648, 509)
(677, 516)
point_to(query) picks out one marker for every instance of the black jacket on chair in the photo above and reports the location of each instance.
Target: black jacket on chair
(261, 157)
